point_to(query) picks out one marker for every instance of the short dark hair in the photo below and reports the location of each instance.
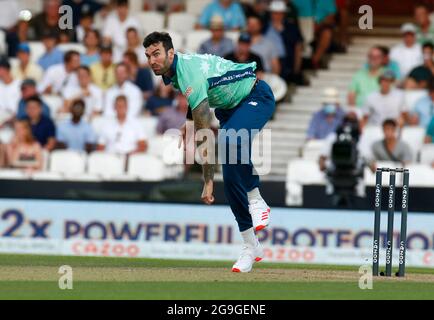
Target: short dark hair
(390, 122)
(121, 3)
(132, 29)
(157, 37)
(132, 56)
(431, 85)
(422, 5)
(121, 97)
(85, 68)
(95, 32)
(385, 50)
(79, 102)
(69, 54)
(34, 99)
(428, 44)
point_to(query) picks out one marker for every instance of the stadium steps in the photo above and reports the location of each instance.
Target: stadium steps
(291, 119)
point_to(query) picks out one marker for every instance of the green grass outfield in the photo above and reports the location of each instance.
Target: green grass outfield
(36, 277)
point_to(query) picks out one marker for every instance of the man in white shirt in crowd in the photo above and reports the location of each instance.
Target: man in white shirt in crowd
(116, 26)
(124, 87)
(407, 54)
(387, 103)
(86, 90)
(134, 44)
(10, 93)
(122, 135)
(26, 69)
(60, 76)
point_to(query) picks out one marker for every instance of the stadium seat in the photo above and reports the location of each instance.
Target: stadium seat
(369, 135)
(277, 84)
(6, 135)
(72, 46)
(165, 147)
(3, 44)
(54, 102)
(195, 38)
(146, 167)
(37, 49)
(421, 175)
(6, 174)
(304, 172)
(427, 154)
(151, 21)
(177, 40)
(35, 6)
(150, 125)
(97, 124)
(46, 175)
(370, 178)
(67, 162)
(135, 5)
(181, 22)
(312, 149)
(105, 164)
(411, 97)
(414, 137)
(196, 7)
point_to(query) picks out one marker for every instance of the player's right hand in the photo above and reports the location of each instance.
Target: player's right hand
(207, 193)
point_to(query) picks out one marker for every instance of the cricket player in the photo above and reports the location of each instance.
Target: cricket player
(241, 102)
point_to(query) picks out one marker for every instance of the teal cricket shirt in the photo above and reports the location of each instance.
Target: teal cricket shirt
(201, 76)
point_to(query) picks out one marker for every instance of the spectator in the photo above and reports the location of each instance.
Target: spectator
(134, 44)
(16, 35)
(365, 81)
(407, 54)
(61, 76)
(420, 76)
(24, 152)
(173, 118)
(52, 55)
(287, 41)
(423, 110)
(92, 43)
(260, 9)
(262, 46)
(218, 44)
(82, 8)
(103, 72)
(229, 10)
(48, 20)
(9, 14)
(387, 103)
(86, 25)
(26, 68)
(141, 77)
(9, 93)
(86, 90)
(390, 148)
(124, 87)
(122, 134)
(28, 90)
(389, 64)
(329, 118)
(424, 27)
(43, 128)
(161, 100)
(325, 11)
(243, 54)
(76, 133)
(116, 26)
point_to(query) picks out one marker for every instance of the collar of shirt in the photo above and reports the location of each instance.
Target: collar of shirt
(168, 80)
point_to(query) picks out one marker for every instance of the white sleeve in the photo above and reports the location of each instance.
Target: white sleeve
(140, 131)
(98, 95)
(46, 81)
(136, 101)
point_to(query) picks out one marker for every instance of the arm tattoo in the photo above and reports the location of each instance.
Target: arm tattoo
(202, 120)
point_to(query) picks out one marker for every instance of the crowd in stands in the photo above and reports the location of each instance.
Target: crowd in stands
(98, 70)
(393, 90)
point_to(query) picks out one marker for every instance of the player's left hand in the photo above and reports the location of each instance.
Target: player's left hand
(207, 193)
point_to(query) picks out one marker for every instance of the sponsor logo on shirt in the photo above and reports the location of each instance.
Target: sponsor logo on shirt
(188, 92)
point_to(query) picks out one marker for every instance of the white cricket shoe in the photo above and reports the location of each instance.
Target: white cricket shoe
(260, 212)
(248, 257)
